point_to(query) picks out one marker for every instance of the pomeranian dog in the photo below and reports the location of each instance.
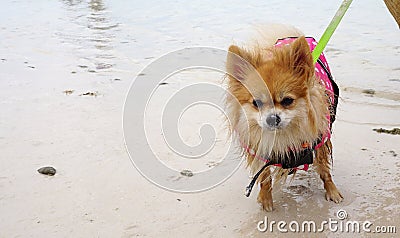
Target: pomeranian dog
(281, 107)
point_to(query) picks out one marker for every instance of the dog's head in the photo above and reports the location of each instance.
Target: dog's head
(273, 85)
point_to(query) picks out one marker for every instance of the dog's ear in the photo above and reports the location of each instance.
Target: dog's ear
(240, 62)
(301, 58)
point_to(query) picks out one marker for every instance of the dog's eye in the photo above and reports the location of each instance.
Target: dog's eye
(257, 103)
(287, 101)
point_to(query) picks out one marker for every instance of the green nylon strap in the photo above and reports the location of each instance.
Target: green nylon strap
(330, 29)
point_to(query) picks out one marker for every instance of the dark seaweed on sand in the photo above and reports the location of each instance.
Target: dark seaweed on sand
(394, 131)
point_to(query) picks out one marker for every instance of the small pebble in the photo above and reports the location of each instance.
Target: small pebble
(47, 170)
(369, 91)
(89, 94)
(187, 173)
(68, 91)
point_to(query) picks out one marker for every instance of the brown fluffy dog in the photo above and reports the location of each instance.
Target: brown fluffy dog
(277, 105)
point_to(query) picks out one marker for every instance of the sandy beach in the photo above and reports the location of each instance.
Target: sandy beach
(66, 68)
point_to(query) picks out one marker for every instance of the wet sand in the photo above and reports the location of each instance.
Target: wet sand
(64, 78)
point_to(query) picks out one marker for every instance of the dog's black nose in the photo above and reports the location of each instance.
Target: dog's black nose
(273, 120)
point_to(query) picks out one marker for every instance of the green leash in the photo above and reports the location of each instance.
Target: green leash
(330, 29)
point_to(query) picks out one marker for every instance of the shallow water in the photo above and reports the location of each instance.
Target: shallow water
(105, 37)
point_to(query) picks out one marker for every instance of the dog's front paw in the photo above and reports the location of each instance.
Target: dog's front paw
(265, 199)
(332, 193)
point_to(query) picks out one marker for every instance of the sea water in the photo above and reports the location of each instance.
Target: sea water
(113, 35)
